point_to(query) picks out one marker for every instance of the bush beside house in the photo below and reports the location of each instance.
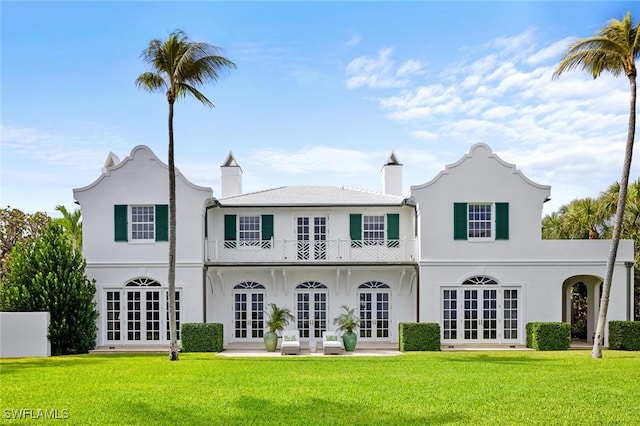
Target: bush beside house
(424, 336)
(624, 335)
(549, 336)
(199, 337)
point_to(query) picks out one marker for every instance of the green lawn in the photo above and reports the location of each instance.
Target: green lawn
(519, 388)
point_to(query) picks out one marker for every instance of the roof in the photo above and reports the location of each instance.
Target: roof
(312, 196)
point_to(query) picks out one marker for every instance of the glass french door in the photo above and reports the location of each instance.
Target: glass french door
(481, 315)
(311, 237)
(311, 310)
(248, 307)
(143, 315)
(139, 313)
(374, 307)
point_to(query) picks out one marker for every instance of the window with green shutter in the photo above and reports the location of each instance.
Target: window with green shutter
(267, 230)
(393, 230)
(121, 228)
(355, 229)
(162, 222)
(502, 221)
(460, 219)
(230, 231)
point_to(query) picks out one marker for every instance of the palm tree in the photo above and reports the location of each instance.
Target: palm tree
(71, 222)
(614, 49)
(179, 66)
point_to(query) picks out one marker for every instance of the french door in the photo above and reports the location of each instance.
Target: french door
(139, 313)
(375, 308)
(311, 234)
(481, 314)
(248, 308)
(311, 309)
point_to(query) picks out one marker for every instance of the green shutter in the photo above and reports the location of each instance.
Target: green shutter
(121, 229)
(393, 229)
(502, 221)
(460, 220)
(229, 230)
(355, 229)
(162, 222)
(267, 230)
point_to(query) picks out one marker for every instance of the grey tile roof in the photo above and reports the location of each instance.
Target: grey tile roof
(312, 196)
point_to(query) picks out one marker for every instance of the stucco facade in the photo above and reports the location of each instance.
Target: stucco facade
(463, 250)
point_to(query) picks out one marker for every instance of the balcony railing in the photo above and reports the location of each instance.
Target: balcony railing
(287, 251)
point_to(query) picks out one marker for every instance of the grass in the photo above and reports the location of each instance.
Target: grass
(415, 388)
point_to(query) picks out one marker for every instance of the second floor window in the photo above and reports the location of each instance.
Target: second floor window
(143, 222)
(373, 230)
(480, 221)
(249, 230)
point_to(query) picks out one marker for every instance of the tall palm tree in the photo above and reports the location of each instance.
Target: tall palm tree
(614, 49)
(71, 222)
(179, 65)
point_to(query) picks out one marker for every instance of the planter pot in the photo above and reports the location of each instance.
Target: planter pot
(270, 341)
(349, 340)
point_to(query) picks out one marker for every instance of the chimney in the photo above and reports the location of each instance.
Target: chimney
(230, 177)
(111, 161)
(392, 176)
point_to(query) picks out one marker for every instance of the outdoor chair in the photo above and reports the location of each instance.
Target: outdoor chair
(290, 342)
(331, 343)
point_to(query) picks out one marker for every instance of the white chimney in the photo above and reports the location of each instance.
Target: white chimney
(230, 177)
(392, 176)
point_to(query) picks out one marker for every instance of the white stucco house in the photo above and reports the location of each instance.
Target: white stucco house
(463, 250)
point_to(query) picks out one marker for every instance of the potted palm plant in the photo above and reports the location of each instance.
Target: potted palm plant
(278, 319)
(348, 321)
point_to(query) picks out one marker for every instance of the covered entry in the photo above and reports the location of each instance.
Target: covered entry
(581, 303)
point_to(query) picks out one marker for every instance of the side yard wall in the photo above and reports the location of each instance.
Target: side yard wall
(24, 334)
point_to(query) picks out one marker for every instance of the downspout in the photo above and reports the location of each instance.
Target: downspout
(417, 292)
(629, 265)
(204, 295)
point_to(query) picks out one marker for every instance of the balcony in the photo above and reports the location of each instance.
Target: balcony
(304, 252)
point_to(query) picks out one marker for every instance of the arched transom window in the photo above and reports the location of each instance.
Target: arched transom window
(249, 285)
(480, 280)
(143, 282)
(373, 284)
(310, 285)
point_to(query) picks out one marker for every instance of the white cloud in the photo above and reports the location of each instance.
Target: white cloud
(568, 131)
(378, 72)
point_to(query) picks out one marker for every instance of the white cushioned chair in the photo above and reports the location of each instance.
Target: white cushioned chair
(331, 343)
(290, 342)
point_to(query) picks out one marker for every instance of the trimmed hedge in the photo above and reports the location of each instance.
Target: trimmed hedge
(199, 337)
(419, 336)
(624, 335)
(549, 336)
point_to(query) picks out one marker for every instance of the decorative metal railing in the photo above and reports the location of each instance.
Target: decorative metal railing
(287, 251)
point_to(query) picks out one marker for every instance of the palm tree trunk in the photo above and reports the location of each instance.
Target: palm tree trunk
(617, 227)
(173, 333)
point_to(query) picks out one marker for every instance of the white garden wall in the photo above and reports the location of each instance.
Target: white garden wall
(24, 334)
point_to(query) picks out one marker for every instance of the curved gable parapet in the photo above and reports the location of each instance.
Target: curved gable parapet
(478, 151)
(139, 153)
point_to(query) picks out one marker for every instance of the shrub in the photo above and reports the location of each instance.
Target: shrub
(47, 275)
(624, 335)
(549, 336)
(419, 336)
(202, 337)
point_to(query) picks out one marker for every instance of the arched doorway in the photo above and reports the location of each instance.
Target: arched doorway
(138, 312)
(248, 311)
(311, 303)
(482, 310)
(580, 305)
(375, 309)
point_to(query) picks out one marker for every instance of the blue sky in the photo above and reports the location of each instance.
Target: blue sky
(323, 93)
